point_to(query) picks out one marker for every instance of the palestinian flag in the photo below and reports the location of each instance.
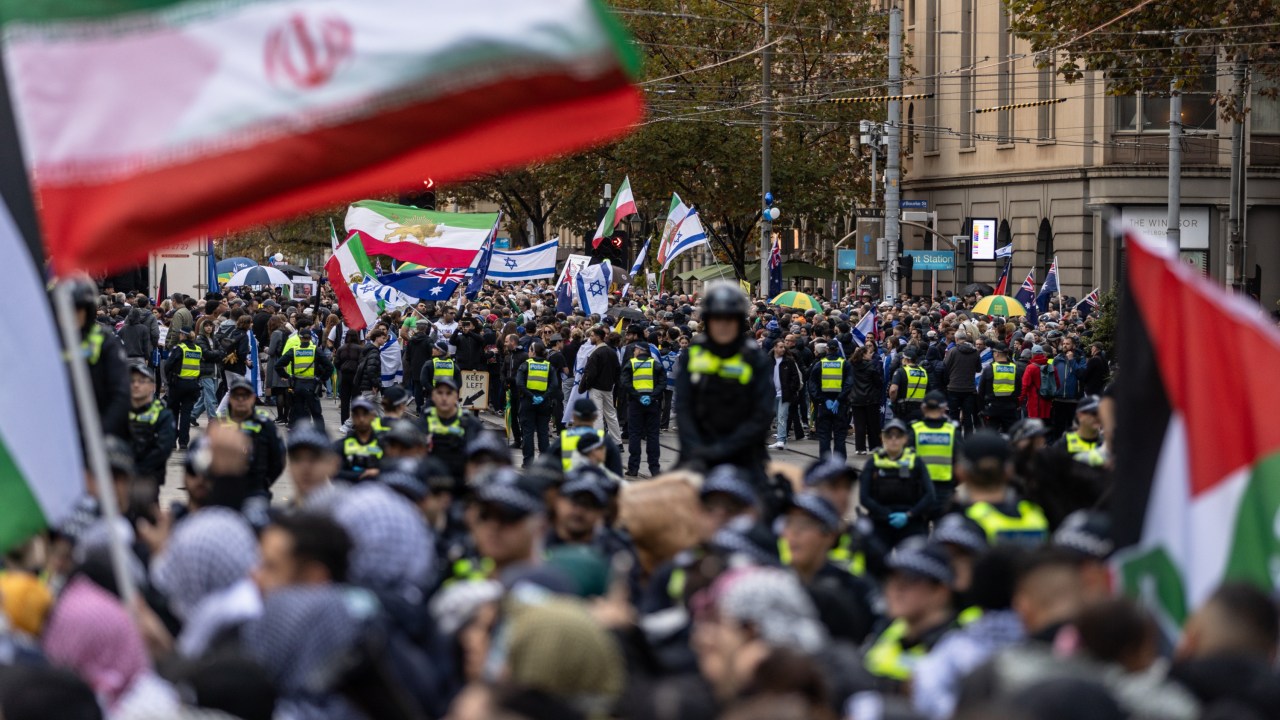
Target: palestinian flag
(1197, 446)
(146, 122)
(624, 204)
(425, 237)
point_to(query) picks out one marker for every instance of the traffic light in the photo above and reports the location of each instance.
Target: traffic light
(421, 199)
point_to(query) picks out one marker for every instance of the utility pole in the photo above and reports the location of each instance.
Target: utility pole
(1235, 214)
(766, 160)
(1173, 233)
(893, 168)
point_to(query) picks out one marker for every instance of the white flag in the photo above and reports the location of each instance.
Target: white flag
(688, 236)
(536, 262)
(592, 287)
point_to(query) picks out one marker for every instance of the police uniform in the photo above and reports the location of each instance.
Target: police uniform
(358, 455)
(561, 453)
(304, 367)
(439, 367)
(1017, 522)
(935, 444)
(266, 459)
(644, 381)
(894, 653)
(998, 392)
(913, 383)
(449, 441)
(184, 386)
(831, 381)
(538, 384)
(901, 485)
(151, 435)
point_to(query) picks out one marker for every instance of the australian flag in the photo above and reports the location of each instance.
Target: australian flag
(564, 297)
(1049, 288)
(1027, 295)
(426, 283)
(775, 268)
(1088, 304)
(1002, 285)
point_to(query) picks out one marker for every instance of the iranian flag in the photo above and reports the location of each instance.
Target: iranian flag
(351, 274)
(40, 471)
(147, 122)
(1197, 444)
(624, 204)
(676, 214)
(428, 238)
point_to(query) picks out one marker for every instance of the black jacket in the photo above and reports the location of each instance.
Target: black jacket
(1093, 378)
(470, 354)
(868, 382)
(136, 336)
(963, 364)
(369, 371)
(789, 376)
(417, 352)
(602, 371)
(721, 420)
(846, 385)
(210, 357)
(659, 379)
(553, 381)
(347, 359)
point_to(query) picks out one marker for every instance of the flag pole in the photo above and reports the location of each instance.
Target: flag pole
(94, 443)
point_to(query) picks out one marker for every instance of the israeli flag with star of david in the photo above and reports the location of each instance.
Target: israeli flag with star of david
(592, 288)
(536, 262)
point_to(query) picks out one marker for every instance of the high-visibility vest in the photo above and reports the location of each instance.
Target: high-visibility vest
(1002, 379)
(833, 375)
(380, 427)
(304, 362)
(191, 356)
(936, 448)
(917, 383)
(704, 362)
(1077, 444)
(441, 366)
(148, 416)
(1029, 528)
(436, 426)
(539, 375)
(846, 557)
(642, 375)
(468, 570)
(569, 444)
(92, 345)
(888, 659)
(894, 468)
(352, 448)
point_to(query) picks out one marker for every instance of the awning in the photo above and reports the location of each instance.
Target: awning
(790, 269)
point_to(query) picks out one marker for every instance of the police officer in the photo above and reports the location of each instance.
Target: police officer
(537, 385)
(724, 390)
(986, 497)
(809, 530)
(108, 364)
(266, 451)
(151, 427)
(304, 367)
(395, 406)
(895, 488)
(360, 452)
(561, 453)
(831, 388)
(917, 598)
(999, 389)
(934, 440)
(183, 371)
(643, 380)
(857, 550)
(439, 365)
(908, 388)
(450, 427)
(1082, 443)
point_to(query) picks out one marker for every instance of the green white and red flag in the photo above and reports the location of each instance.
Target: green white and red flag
(1197, 447)
(350, 271)
(624, 204)
(147, 122)
(425, 237)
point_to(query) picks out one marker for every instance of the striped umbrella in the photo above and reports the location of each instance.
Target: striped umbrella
(999, 305)
(259, 275)
(796, 301)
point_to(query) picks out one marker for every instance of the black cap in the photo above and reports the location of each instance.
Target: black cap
(1088, 404)
(489, 443)
(1085, 532)
(143, 370)
(588, 442)
(585, 484)
(238, 382)
(403, 432)
(911, 353)
(956, 529)
(396, 396)
(363, 403)
(728, 480)
(512, 491)
(986, 443)
(585, 408)
(404, 476)
(745, 538)
(1028, 428)
(934, 400)
(829, 469)
(446, 379)
(919, 557)
(443, 347)
(819, 508)
(997, 346)
(894, 424)
(309, 435)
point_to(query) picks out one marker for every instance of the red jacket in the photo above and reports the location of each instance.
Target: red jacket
(1036, 406)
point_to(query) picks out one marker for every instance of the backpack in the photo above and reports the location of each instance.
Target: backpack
(1050, 384)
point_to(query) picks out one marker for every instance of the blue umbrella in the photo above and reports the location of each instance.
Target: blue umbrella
(230, 266)
(258, 275)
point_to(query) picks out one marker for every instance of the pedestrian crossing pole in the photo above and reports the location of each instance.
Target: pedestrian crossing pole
(893, 167)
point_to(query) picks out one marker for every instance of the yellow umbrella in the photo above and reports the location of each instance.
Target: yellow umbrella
(1001, 305)
(796, 301)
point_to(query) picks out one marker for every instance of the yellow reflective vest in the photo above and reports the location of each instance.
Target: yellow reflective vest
(1031, 527)
(888, 659)
(917, 383)
(832, 375)
(539, 375)
(936, 448)
(1003, 376)
(191, 357)
(642, 375)
(704, 362)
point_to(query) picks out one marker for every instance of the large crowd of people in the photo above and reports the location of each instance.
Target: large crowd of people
(625, 530)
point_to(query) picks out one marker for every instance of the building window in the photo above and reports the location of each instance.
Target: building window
(966, 73)
(1004, 81)
(1046, 89)
(1147, 113)
(932, 37)
(1265, 113)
